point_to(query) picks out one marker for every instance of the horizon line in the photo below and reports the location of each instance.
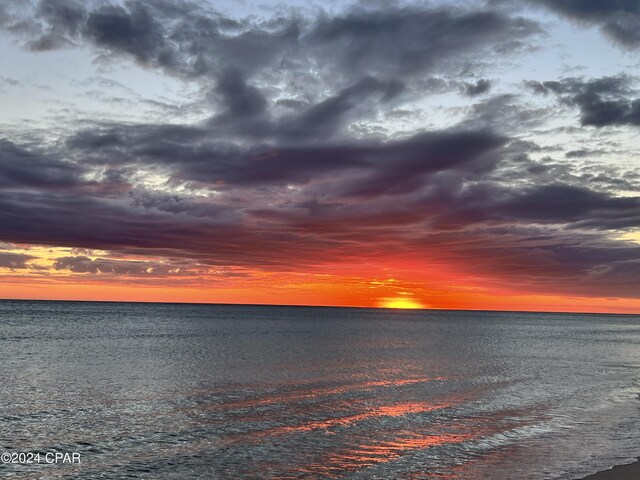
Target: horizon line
(147, 302)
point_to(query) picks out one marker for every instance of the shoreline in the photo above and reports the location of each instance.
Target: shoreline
(630, 471)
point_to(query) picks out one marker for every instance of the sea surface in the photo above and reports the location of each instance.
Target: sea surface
(231, 392)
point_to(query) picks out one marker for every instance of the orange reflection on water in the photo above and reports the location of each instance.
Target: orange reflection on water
(320, 392)
(397, 410)
(392, 445)
(386, 451)
(363, 456)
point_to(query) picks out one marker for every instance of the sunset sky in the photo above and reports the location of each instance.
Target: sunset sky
(436, 154)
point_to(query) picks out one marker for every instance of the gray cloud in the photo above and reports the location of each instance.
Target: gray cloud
(563, 204)
(194, 158)
(602, 102)
(240, 100)
(481, 87)
(119, 267)
(446, 188)
(22, 168)
(326, 117)
(583, 153)
(402, 167)
(619, 19)
(14, 260)
(185, 39)
(408, 40)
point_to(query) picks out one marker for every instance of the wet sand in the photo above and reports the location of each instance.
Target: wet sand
(621, 472)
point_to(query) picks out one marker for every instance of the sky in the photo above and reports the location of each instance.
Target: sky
(432, 154)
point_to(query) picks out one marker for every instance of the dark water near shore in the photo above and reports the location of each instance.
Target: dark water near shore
(231, 392)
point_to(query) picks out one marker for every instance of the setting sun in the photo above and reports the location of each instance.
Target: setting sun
(400, 302)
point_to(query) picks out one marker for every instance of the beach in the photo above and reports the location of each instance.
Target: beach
(621, 472)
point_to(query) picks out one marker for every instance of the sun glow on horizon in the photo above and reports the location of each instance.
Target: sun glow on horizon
(46, 272)
(400, 302)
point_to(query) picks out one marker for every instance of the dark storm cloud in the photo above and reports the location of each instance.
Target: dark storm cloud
(95, 223)
(193, 158)
(245, 122)
(407, 40)
(14, 260)
(565, 204)
(64, 17)
(360, 54)
(238, 98)
(485, 220)
(401, 167)
(597, 175)
(481, 229)
(180, 37)
(22, 168)
(602, 102)
(385, 167)
(178, 205)
(327, 116)
(619, 19)
(247, 114)
(457, 205)
(185, 39)
(132, 30)
(543, 260)
(84, 222)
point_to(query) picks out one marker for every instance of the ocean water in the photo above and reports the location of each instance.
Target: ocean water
(232, 392)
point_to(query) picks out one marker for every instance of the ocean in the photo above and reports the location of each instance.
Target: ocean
(173, 391)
